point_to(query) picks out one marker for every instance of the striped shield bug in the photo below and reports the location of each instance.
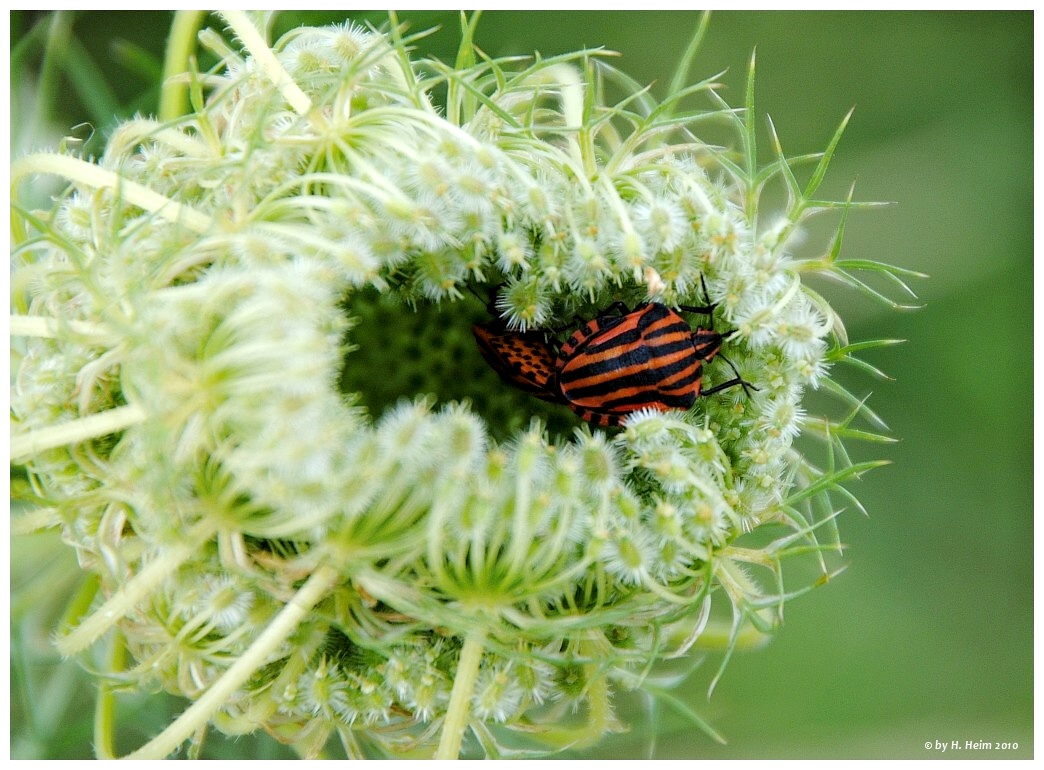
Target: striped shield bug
(612, 366)
(648, 358)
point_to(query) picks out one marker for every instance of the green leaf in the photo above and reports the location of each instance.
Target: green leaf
(859, 403)
(842, 268)
(783, 166)
(136, 59)
(820, 172)
(750, 143)
(681, 73)
(831, 481)
(461, 106)
(845, 355)
(90, 85)
(825, 428)
(683, 709)
(855, 347)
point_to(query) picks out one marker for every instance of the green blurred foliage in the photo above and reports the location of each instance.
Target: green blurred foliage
(928, 635)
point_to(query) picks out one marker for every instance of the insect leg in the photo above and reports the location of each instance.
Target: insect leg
(707, 309)
(737, 380)
(701, 309)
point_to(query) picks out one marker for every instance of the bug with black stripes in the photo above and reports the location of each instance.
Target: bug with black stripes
(614, 365)
(647, 358)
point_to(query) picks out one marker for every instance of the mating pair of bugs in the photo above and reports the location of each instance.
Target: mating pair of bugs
(620, 362)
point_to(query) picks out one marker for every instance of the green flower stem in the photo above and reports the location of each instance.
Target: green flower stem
(180, 45)
(460, 698)
(277, 632)
(601, 719)
(600, 716)
(25, 445)
(82, 172)
(258, 48)
(105, 706)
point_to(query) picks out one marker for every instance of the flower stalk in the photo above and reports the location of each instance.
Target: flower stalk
(37, 326)
(94, 176)
(181, 45)
(132, 592)
(24, 445)
(251, 39)
(459, 708)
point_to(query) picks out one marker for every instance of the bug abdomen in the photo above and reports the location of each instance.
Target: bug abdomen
(649, 358)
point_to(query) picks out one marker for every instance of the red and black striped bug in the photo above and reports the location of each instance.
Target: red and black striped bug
(648, 358)
(612, 366)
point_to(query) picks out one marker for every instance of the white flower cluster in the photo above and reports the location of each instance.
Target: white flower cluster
(205, 291)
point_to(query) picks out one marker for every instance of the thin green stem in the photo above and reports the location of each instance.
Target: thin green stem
(82, 172)
(600, 717)
(277, 632)
(137, 130)
(180, 45)
(105, 707)
(681, 74)
(460, 698)
(25, 445)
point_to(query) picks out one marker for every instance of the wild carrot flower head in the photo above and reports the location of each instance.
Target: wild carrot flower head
(240, 334)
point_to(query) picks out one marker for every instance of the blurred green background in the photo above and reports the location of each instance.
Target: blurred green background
(928, 635)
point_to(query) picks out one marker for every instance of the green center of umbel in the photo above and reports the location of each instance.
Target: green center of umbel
(397, 352)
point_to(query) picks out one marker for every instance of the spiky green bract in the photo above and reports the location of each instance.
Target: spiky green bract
(404, 575)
